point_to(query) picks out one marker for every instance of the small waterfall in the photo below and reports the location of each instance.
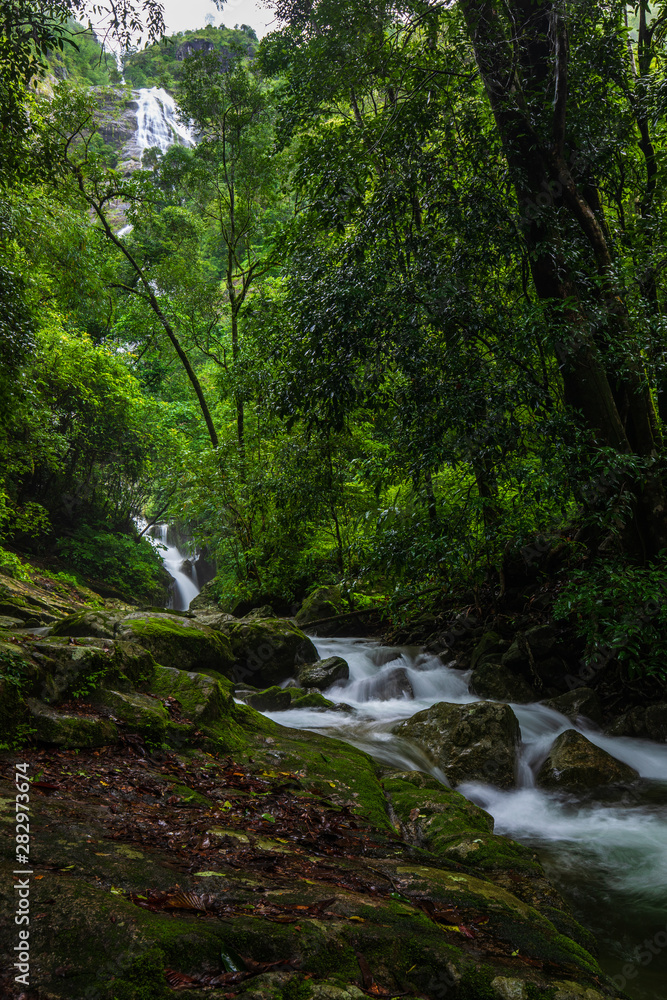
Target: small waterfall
(180, 567)
(157, 122)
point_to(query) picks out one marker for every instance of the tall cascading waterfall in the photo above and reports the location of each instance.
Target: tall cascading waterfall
(157, 121)
(157, 126)
(181, 566)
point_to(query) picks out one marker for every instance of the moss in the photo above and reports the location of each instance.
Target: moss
(201, 698)
(179, 642)
(268, 650)
(313, 700)
(67, 731)
(144, 980)
(296, 989)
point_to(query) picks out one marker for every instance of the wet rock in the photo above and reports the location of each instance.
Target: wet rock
(273, 699)
(644, 723)
(179, 642)
(576, 764)
(66, 730)
(323, 673)
(574, 704)
(316, 701)
(490, 647)
(325, 602)
(10, 623)
(389, 685)
(384, 654)
(264, 611)
(201, 698)
(97, 624)
(74, 669)
(268, 650)
(492, 680)
(139, 712)
(475, 742)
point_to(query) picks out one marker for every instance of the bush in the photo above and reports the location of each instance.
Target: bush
(119, 562)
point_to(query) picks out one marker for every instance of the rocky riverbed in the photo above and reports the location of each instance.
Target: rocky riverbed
(180, 840)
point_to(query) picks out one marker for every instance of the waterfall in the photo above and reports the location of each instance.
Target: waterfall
(181, 567)
(157, 121)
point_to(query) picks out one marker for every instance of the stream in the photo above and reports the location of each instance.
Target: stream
(608, 859)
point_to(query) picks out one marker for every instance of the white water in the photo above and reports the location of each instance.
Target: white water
(610, 860)
(185, 587)
(157, 121)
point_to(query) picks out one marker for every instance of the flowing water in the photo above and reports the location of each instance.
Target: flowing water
(180, 566)
(608, 858)
(157, 121)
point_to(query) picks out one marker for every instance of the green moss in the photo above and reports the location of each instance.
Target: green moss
(296, 989)
(180, 643)
(144, 980)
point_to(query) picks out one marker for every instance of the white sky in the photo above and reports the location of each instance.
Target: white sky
(180, 15)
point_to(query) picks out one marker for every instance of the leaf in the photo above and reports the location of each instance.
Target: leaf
(269, 817)
(207, 874)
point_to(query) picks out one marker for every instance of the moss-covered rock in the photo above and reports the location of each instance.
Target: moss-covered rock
(202, 699)
(476, 742)
(575, 764)
(179, 642)
(490, 679)
(273, 699)
(317, 701)
(268, 651)
(98, 623)
(323, 673)
(76, 669)
(324, 602)
(64, 729)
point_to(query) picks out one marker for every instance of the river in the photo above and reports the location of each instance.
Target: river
(608, 859)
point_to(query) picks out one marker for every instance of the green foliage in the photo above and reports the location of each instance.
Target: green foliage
(162, 64)
(120, 562)
(621, 612)
(12, 565)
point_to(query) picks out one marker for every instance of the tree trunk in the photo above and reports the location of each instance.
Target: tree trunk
(525, 76)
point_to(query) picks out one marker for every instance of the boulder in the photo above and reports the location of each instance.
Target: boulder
(98, 624)
(138, 712)
(75, 669)
(384, 654)
(201, 698)
(575, 764)
(492, 680)
(268, 650)
(490, 647)
(476, 742)
(574, 704)
(66, 730)
(323, 673)
(387, 686)
(325, 602)
(317, 702)
(645, 723)
(273, 699)
(179, 642)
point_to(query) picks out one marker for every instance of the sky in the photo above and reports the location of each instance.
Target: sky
(182, 14)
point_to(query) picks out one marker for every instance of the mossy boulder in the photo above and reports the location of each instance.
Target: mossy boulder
(324, 602)
(575, 764)
(490, 679)
(139, 713)
(75, 669)
(273, 699)
(97, 623)
(67, 730)
(476, 742)
(179, 642)
(323, 673)
(316, 701)
(202, 699)
(268, 651)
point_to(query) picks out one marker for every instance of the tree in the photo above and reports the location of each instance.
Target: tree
(237, 173)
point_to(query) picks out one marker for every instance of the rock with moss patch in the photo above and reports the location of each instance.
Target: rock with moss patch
(69, 731)
(315, 700)
(268, 650)
(476, 742)
(492, 680)
(273, 699)
(202, 698)
(324, 602)
(141, 714)
(98, 624)
(575, 764)
(323, 673)
(178, 642)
